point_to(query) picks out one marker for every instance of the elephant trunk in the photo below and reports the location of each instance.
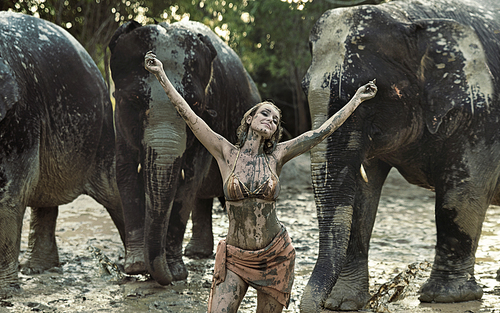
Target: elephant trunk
(335, 164)
(164, 143)
(160, 180)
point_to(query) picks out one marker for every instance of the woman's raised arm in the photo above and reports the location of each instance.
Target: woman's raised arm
(289, 149)
(214, 142)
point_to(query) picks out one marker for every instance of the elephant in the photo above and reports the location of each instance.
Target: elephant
(164, 174)
(434, 119)
(56, 139)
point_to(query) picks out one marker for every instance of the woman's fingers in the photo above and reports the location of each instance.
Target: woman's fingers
(150, 58)
(371, 86)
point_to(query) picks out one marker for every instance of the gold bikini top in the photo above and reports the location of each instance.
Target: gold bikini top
(235, 190)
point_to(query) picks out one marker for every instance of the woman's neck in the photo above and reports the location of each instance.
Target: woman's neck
(254, 144)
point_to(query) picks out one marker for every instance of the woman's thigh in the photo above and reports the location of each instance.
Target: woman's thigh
(229, 294)
(267, 304)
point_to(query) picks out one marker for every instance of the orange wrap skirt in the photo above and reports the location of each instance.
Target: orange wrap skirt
(270, 270)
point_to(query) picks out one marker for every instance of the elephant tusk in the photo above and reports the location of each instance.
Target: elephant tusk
(363, 173)
(182, 174)
(139, 168)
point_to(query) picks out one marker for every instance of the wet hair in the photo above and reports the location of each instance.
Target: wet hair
(242, 131)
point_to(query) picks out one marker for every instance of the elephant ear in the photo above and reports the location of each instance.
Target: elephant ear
(124, 29)
(210, 46)
(9, 89)
(453, 70)
(213, 54)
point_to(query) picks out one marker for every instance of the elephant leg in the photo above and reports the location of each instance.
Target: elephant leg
(351, 291)
(460, 211)
(175, 236)
(131, 187)
(201, 244)
(11, 222)
(42, 251)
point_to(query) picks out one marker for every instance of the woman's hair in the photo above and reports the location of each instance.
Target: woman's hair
(242, 131)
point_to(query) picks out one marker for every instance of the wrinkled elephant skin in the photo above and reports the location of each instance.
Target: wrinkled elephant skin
(164, 173)
(435, 119)
(56, 137)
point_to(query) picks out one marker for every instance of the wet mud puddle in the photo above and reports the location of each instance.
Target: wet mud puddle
(401, 251)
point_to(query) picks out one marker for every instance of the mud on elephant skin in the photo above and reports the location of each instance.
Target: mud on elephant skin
(435, 119)
(56, 138)
(164, 174)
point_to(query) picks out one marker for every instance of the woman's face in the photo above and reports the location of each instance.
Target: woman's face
(265, 121)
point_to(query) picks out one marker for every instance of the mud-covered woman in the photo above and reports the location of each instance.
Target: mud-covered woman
(257, 250)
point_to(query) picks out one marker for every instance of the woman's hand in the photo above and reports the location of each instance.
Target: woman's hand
(152, 64)
(367, 91)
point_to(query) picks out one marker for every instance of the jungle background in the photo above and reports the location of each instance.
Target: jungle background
(270, 36)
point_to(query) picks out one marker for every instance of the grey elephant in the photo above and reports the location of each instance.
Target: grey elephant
(56, 138)
(164, 173)
(435, 119)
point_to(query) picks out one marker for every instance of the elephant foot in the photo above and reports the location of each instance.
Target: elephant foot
(198, 250)
(448, 290)
(7, 290)
(32, 267)
(178, 269)
(346, 298)
(134, 264)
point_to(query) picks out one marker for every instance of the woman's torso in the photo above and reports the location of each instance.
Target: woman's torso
(251, 190)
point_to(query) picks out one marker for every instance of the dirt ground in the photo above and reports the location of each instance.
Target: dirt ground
(89, 246)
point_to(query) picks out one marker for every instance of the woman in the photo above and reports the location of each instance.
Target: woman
(257, 251)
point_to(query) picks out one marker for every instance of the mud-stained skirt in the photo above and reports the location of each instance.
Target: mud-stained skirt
(270, 270)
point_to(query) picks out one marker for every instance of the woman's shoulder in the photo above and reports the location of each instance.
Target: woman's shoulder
(230, 153)
(279, 152)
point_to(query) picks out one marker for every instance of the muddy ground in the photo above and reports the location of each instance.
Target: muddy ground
(404, 234)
